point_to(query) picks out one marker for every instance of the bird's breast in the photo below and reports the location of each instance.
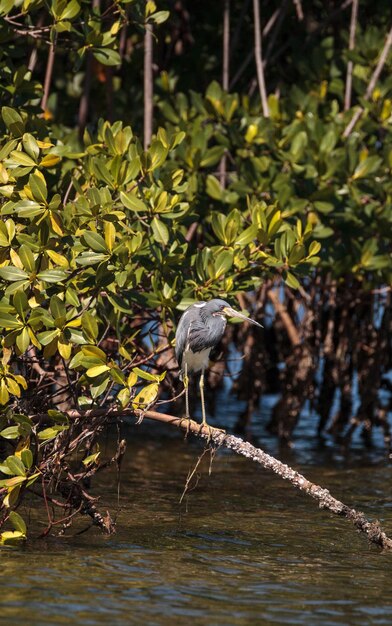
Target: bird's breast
(196, 361)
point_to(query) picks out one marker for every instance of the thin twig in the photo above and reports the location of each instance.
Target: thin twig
(299, 10)
(372, 83)
(351, 45)
(225, 75)
(48, 75)
(259, 58)
(148, 85)
(267, 28)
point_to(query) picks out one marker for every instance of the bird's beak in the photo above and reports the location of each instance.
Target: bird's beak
(232, 313)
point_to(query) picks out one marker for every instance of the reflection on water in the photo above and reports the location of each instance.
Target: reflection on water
(243, 548)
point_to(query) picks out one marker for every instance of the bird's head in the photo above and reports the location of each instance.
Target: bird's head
(222, 308)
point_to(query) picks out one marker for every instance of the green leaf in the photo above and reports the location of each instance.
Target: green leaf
(38, 188)
(95, 241)
(328, 141)
(49, 160)
(213, 187)
(90, 326)
(71, 10)
(223, 263)
(23, 340)
(50, 433)
(91, 258)
(146, 396)
(145, 375)
(17, 522)
(12, 432)
(57, 307)
(22, 158)
(9, 322)
(157, 153)
(247, 236)
(91, 459)
(291, 280)
(52, 276)
(11, 537)
(27, 258)
(218, 223)
(132, 202)
(366, 167)
(106, 56)
(299, 144)
(97, 370)
(27, 458)
(274, 224)
(124, 397)
(47, 336)
(94, 351)
(16, 466)
(30, 145)
(13, 121)
(160, 231)
(314, 248)
(11, 273)
(212, 156)
(160, 16)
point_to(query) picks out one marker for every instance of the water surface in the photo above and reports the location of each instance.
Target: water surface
(243, 548)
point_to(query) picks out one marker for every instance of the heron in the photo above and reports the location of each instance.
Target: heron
(199, 330)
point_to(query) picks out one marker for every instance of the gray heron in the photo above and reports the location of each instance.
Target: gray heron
(199, 330)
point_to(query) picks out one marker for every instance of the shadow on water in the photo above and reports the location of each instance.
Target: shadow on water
(243, 548)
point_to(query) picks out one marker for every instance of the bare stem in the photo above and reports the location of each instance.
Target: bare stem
(259, 58)
(225, 75)
(351, 45)
(48, 76)
(267, 28)
(299, 10)
(148, 85)
(226, 45)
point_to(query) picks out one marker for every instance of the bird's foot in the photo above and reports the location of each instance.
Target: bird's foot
(210, 429)
(188, 425)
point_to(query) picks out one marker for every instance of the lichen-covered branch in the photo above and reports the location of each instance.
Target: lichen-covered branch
(372, 530)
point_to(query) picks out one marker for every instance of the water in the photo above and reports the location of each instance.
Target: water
(243, 548)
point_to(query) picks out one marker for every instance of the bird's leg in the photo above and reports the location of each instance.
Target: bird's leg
(203, 407)
(186, 385)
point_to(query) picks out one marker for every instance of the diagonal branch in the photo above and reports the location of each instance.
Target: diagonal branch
(372, 530)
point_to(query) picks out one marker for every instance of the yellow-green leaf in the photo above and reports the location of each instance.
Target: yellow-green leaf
(146, 396)
(97, 370)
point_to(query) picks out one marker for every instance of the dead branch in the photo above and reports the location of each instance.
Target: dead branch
(372, 530)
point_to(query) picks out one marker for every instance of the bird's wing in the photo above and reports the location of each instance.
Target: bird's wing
(201, 337)
(181, 338)
(192, 335)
